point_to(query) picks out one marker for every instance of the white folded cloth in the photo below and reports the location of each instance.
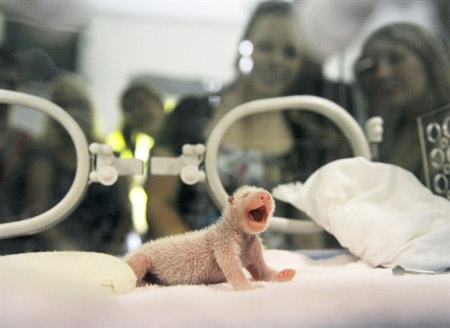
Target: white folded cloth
(380, 212)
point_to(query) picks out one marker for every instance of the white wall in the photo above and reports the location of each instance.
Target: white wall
(117, 47)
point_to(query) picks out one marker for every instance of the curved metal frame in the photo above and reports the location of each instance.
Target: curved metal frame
(345, 122)
(61, 210)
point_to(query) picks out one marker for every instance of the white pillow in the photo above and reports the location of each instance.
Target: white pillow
(68, 272)
(380, 212)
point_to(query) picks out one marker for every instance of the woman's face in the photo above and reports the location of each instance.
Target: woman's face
(276, 55)
(392, 75)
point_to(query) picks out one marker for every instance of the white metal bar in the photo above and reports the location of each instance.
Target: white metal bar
(61, 210)
(344, 121)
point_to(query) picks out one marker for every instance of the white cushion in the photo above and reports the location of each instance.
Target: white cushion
(68, 272)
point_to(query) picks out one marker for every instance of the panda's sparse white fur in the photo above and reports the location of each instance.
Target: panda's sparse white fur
(215, 254)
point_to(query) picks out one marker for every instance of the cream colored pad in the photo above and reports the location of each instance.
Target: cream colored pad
(73, 273)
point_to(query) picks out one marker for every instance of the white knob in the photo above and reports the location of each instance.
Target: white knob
(94, 148)
(374, 129)
(188, 149)
(93, 176)
(191, 175)
(106, 149)
(200, 149)
(107, 175)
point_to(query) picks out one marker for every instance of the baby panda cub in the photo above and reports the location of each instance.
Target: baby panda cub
(217, 253)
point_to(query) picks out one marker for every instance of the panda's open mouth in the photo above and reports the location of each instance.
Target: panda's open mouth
(259, 214)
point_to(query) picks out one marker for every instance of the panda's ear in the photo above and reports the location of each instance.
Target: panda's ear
(230, 200)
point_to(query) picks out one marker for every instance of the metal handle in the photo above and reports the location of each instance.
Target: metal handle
(61, 210)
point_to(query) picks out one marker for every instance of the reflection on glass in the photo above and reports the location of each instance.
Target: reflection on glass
(246, 48)
(245, 64)
(17, 147)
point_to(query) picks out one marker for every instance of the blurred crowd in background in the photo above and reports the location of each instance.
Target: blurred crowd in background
(386, 59)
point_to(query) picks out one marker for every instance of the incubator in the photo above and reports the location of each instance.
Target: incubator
(96, 163)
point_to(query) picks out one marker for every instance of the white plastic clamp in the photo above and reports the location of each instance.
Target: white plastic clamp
(187, 165)
(108, 168)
